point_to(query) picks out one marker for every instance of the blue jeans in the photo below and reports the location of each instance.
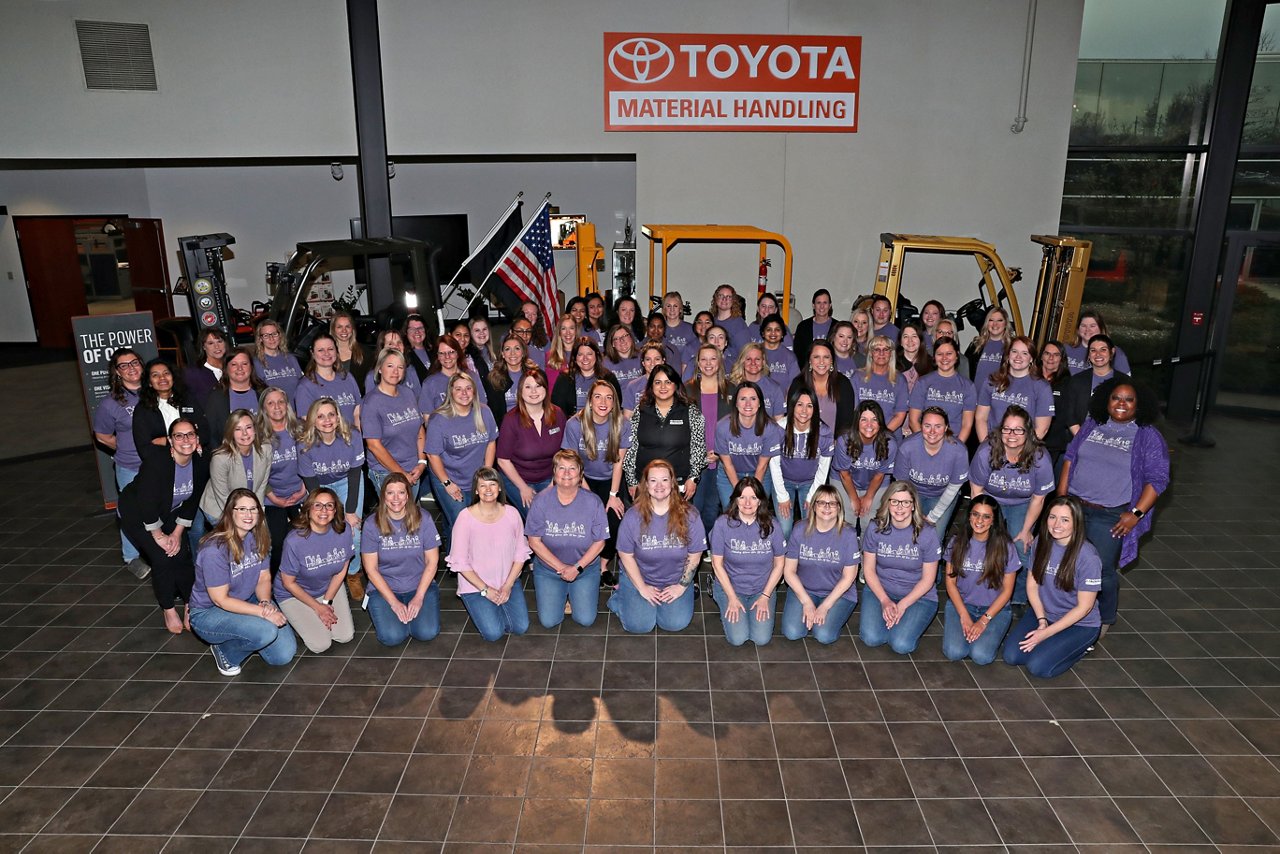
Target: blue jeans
(903, 637)
(985, 649)
(793, 627)
(1015, 515)
(513, 493)
(1098, 522)
(927, 503)
(797, 491)
(551, 592)
(200, 526)
(387, 626)
(1050, 657)
(495, 621)
(238, 636)
(707, 499)
(639, 616)
(448, 506)
(124, 477)
(379, 477)
(748, 628)
(339, 488)
(724, 489)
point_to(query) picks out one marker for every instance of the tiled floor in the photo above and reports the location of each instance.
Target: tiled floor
(118, 737)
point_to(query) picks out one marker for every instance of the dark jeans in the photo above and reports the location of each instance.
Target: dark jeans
(1050, 657)
(1098, 522)
(600, 488)
(278, 521)
(707, 500)
(171, 577)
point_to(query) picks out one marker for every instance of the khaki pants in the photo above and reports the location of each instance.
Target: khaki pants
(313, 632)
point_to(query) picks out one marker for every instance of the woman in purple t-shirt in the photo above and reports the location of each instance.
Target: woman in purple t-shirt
(461, 438)
(745, 440)
(746, 555)
(567, 530)
(710, 392)
(986, 351)
(981, 566)
(400, 551)
(1066, 575)
(1014, 382)
(309, 585)
(488, 552)
(272, 361)
(113, 430)
(864, 460)
(900, 556)
(285, 489)
(821, 569)
(231, 605)
(391, 422)
(601, 436)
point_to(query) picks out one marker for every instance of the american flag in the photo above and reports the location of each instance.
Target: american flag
(529, 268)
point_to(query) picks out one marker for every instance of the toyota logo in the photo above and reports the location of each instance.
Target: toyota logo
(641, 60)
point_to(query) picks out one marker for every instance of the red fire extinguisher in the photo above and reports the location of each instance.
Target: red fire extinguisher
(763, 283)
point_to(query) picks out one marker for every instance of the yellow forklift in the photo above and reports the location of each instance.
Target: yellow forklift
(1064, 263)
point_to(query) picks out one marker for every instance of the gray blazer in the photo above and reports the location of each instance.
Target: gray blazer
(226, 473)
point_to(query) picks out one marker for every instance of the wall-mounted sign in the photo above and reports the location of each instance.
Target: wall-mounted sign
(722, 82)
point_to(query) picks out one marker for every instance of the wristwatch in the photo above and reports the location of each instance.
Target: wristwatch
(1138, 513)
(324, 601)
(485, 593)
(446, 482)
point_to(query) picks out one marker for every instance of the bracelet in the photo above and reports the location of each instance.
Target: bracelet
(1042, 619)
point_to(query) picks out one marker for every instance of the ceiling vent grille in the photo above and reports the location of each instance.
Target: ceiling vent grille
(116, 56)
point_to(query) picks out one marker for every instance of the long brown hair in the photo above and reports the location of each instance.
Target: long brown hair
(551, 414)
(302, 523)
(1000, 379)
(764, 516)
(998, 542)
(1030, 451)
(613, 449)
(227, 534)
(412, 515)
(678, 509)
(1066, 574)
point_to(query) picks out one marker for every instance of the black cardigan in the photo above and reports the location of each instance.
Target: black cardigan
(565, 393)
(148, 424)
(1076, 396)
(846, 403)
(148, 500)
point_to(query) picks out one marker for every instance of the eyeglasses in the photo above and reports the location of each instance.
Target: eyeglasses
(826, 503)
(325, 505)
(271, 335)
(245, 509)
(186, 436)
(901, 502)
(982, 517)
(1014, 431)
(129, 366)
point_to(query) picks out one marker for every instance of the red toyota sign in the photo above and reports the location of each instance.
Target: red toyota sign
(722, 82)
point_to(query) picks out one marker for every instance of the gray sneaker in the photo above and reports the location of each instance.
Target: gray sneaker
(225, 667)
(139, 569)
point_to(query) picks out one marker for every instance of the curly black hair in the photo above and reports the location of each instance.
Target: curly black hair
(1147, 408)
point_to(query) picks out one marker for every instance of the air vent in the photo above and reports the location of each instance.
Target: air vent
(116, 56)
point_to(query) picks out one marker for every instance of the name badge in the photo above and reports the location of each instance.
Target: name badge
(676, 423)
(553, 431)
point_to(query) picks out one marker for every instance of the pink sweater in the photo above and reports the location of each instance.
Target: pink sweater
(487, 549)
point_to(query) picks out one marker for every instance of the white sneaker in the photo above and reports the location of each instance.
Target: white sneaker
(225, 667)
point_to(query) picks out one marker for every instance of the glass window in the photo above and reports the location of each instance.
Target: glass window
(1249, 375)
(1130, 190)
(1262, 116)
(1255, 195)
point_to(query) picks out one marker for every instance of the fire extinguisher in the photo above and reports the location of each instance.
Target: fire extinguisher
(763, 283)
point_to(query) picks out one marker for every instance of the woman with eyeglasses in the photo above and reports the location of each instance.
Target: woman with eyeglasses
(400, 553)
(488, 552)
(728, 314)
(1013, 383)
(157, 509)
(747, 551)
(864, 460)
(937, 465)
(1066, 576)
(231, 605)
(417, 358)
(113, 431)
(324, 377)
(821, 570)
(567, 530)
(309, 586)
(881, 382)
(391, 423)
(621, 357)
(947, 388)
(981, 566)
(449, 362)
(660, 546)
(900, 554)
(285, 489)
(272, 361)
(801, 467)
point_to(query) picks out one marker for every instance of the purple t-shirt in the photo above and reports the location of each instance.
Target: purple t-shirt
(342, 388)
(431, 394)
(678, 336)
(539, 356)
(748, 557)
(183, 484)
(285, 478)
(113, 418)
(931, 473)
(330, 463)
(889, 330)
(783, 366)
(246, 460)
(1077, 357)
(747, 448)
(988, 362)
(281, 371)
(821, 559)
(798, 468)
(631, 392)
(969, 582)
(1088, 578)
(625, 370)
(775, 396)
(736, 328)
(1102, 473)
(1033, 395)
(659, 555)
(892, 398)
(394, 421)
(567, 531)
(899, 561)
(1006, 484)
(866, 466)
(409, 383)
(313, 559)
(599, 468)
(754, 336)
(401, 556)
(459, 444)
(214, 568)
(954, 395)
(846, 365)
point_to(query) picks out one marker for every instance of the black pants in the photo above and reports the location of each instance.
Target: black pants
(601, 490)
(278, 521)
(171, 577)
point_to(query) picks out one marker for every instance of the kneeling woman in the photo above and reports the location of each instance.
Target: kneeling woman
(660, 545)
(981, 567)
(746, 554)
(900, 553)
(313, 566)
(487, 550)
(567, 530)
(231, 606)
(400, 552)
(821, 569)
(1066, 575)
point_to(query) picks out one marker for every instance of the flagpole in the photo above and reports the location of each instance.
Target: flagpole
(479, 246)
(546, 200)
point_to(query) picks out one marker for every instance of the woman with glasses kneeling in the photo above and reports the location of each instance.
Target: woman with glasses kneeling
(400, 552)
(981, 567)
(313, 567)
(900, 553)
(487, 550)
(821, 569)
(1066, 576)
(746, 554)
(231, 606)
(567, 530)
(660, 545)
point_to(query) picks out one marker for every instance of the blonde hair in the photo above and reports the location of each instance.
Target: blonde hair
(882, 521)
(876, 341)
(259, 349)
(309, 436)
(262, 423)
(739, 374)
(450, 409)
(613, 451)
